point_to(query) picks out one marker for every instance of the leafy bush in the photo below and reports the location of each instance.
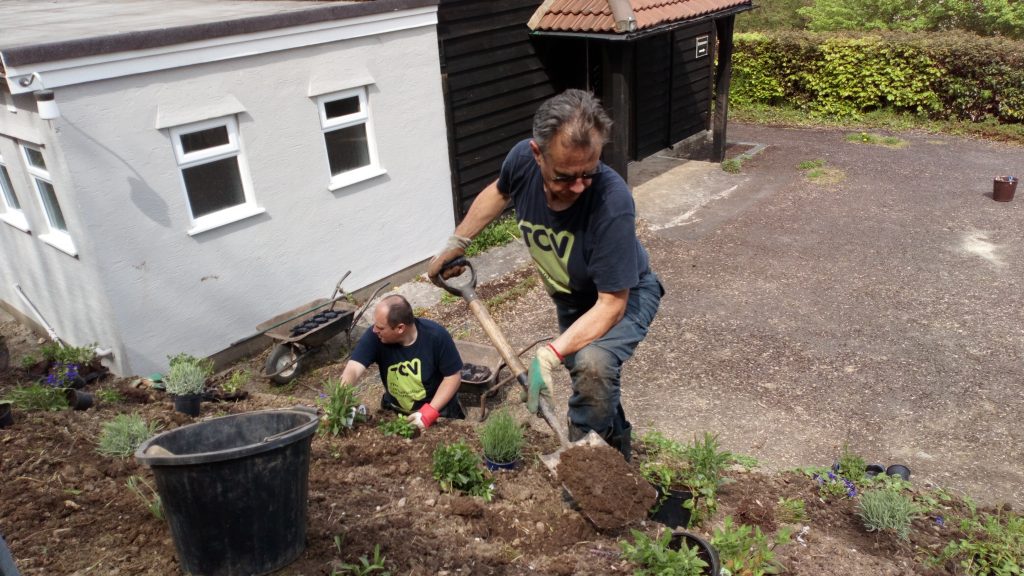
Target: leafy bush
(791, 511)
(941, 75)
(457, 467)
(80, 355)
(37, 396)
(886, 510)
(340, 405)
(502, 437)
(187, 375)
(851, 465)
(235, 382)
(123, 434)
(696, 467)
(109, 395)
(993, 545)
(655, 557)
(743, 549)
(397, 426)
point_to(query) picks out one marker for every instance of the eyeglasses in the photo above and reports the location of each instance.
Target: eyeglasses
(567, 179)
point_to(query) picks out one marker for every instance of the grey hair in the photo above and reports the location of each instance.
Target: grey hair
(576, 114)
(399, 310)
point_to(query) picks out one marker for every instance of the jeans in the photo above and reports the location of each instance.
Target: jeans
(596, 368)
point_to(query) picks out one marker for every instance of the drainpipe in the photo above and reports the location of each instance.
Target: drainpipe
(100, 352)
(622, 13)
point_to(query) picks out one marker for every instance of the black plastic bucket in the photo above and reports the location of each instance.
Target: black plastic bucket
(669, 510)
(234, 490)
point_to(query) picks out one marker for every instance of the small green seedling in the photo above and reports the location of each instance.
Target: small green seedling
(365, 566)
(341, 408)
(887, 511)
(457, 467)
(38, 396)
(502, 437)
(654, 557)
(145, 492)
(234, 383)
(744, 549)
(398, 426)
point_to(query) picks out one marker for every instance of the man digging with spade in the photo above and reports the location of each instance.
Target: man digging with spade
(579, 223)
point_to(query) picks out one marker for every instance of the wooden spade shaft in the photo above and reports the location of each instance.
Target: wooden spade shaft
(512, 360)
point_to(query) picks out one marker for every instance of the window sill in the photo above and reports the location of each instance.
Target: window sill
(16, 219)
(349, 178)
(60, 241)
(223, 218)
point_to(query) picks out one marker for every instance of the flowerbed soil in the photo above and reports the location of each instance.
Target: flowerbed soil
(66, 509)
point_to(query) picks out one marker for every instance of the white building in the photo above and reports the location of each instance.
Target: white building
(209, 165)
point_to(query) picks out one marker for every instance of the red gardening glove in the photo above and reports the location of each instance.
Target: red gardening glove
(424, 417)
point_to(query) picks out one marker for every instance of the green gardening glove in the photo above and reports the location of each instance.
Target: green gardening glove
(544, 362)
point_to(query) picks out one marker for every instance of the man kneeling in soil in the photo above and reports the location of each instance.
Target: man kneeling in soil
(419, 365)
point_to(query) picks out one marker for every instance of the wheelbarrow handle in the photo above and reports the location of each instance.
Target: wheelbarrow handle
(462, 290)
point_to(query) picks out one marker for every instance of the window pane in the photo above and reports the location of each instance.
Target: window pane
(343, 107)
(53, 213)
(347, 149)
(203, 139)
(9, 195)
(35, 157)
(214, 186)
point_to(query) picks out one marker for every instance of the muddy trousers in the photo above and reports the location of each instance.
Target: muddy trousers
(596, 369)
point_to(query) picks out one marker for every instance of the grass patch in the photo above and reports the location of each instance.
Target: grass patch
(122, 435)
(733, 165)
(819, 172)
(497, 233)
(877, 120)
(37, 396)
(876, 139)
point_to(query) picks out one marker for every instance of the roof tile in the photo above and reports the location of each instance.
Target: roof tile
(596, 15)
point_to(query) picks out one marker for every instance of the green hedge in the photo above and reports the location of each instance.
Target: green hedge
(942, 75)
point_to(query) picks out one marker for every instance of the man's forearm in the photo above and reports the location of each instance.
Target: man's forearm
(594, 323)
(353, 372)
(446, 391)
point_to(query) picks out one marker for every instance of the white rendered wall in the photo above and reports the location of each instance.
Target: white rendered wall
(169, 292)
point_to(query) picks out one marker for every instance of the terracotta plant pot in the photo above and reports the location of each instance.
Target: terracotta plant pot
(189, 404)
(78, 400)
(1003, 188)
(6, 415)
(705, 551)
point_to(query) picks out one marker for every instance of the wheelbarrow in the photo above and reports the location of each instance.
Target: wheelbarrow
(302, 331)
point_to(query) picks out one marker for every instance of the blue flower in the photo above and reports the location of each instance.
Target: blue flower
(940, 521)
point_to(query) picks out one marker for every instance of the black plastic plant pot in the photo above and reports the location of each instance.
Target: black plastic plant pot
(669, 510)
(234, 490)
(188, 404)
(78, 399)
(874, 470)
(705, 551)
(6, 415)
(500, 466)
(898, 470)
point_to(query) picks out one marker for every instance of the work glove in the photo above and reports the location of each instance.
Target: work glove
(540, 384)
(454, 248)
(423, 417)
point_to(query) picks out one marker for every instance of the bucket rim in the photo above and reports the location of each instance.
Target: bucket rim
(284, 438)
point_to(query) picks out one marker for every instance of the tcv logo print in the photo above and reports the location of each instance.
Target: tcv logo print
(407, 369)
(550, 250)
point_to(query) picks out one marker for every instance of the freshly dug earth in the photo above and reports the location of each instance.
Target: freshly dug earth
(607, 490)
(67, 510)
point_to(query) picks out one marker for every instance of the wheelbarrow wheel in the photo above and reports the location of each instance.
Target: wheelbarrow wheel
(282, 364)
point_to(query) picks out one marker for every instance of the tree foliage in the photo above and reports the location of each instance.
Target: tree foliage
(983, 17)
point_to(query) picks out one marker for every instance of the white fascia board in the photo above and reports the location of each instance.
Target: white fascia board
(73, 71)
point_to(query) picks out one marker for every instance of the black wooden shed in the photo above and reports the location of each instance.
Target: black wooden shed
(652, 62)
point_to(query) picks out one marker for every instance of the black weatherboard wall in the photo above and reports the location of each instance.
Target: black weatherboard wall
(673, 88)
(493, 82)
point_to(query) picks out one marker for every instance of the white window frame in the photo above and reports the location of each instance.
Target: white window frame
(232, 149)
(59, 239)
(15, 216)
(363, 116)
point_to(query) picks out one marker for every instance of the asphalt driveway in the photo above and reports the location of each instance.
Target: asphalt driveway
(883, 308)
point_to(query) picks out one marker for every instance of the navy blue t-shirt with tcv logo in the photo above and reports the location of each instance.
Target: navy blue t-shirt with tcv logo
(587, 248)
